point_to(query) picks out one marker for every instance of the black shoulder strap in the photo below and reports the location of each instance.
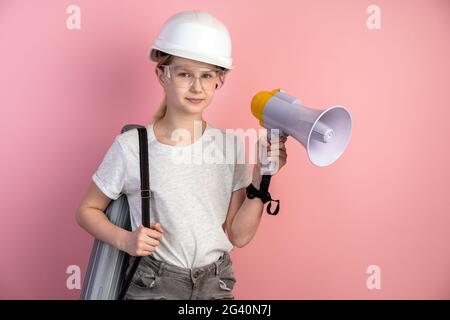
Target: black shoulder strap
(145, 201)
(145, 177)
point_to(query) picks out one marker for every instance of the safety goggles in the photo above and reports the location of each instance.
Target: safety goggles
(185, 76)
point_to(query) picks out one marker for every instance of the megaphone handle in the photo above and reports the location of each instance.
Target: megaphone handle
(265, 182)
(269, 167)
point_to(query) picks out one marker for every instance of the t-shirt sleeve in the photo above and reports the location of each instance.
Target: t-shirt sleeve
(111, 174)
(241, 177)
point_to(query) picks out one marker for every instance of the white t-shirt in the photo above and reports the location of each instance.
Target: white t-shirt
(190, 199)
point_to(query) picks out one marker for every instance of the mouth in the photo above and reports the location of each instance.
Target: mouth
(195, 101)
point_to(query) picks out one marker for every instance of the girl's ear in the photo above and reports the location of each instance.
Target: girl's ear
(160, 75)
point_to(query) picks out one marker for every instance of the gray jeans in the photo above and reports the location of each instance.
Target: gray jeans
(156, 280)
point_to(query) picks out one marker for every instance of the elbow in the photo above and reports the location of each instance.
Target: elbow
(238, 238)
(239, 242)
(239, 245)
(78, 217)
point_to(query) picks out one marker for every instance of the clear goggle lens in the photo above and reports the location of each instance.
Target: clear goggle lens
(185, 77)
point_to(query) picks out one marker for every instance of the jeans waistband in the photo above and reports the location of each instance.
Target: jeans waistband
(160, 266)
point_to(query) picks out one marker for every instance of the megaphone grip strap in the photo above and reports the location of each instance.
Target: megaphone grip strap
(276, 209)
(264, 195)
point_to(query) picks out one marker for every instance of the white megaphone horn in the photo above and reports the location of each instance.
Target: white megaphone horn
(325, 134)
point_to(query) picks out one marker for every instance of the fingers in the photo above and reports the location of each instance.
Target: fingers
(153, 233)
(277, 144)
(281, 147)
(280, 139)
(275, 149)
(157, 226)
(146, 240)
(145, 249)
(149, 239)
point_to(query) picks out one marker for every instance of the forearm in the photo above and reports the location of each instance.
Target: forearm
(96, 223)
(247, 218)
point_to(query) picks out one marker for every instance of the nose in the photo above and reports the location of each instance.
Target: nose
(196, 86)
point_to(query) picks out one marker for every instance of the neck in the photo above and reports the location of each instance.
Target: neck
(171, 121)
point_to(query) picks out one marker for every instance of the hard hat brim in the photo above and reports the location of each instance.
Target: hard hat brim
(221, 62)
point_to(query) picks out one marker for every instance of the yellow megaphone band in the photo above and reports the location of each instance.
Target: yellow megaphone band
(259, 102)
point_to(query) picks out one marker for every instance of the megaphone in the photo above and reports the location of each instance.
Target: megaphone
(324, 134)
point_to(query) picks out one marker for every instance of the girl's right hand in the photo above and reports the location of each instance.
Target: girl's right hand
(143, 241)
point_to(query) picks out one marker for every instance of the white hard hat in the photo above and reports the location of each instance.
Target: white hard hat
(195, 35)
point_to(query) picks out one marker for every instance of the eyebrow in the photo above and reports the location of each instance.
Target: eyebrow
(189, 68)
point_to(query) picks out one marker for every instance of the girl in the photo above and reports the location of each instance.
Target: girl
(200, 210)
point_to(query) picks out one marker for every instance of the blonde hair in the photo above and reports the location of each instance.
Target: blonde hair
(165, 59)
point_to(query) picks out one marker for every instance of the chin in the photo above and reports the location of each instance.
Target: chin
(191, 109)
(190, 106)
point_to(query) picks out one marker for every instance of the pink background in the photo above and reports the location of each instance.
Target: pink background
(65, 94)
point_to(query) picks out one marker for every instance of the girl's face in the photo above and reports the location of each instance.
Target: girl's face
(189, 79)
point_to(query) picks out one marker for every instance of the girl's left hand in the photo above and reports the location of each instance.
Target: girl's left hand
(273, 148)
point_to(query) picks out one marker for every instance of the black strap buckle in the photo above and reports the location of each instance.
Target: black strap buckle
(146, 194)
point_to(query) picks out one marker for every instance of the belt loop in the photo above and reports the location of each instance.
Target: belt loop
(216, 263)
(161, 268)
